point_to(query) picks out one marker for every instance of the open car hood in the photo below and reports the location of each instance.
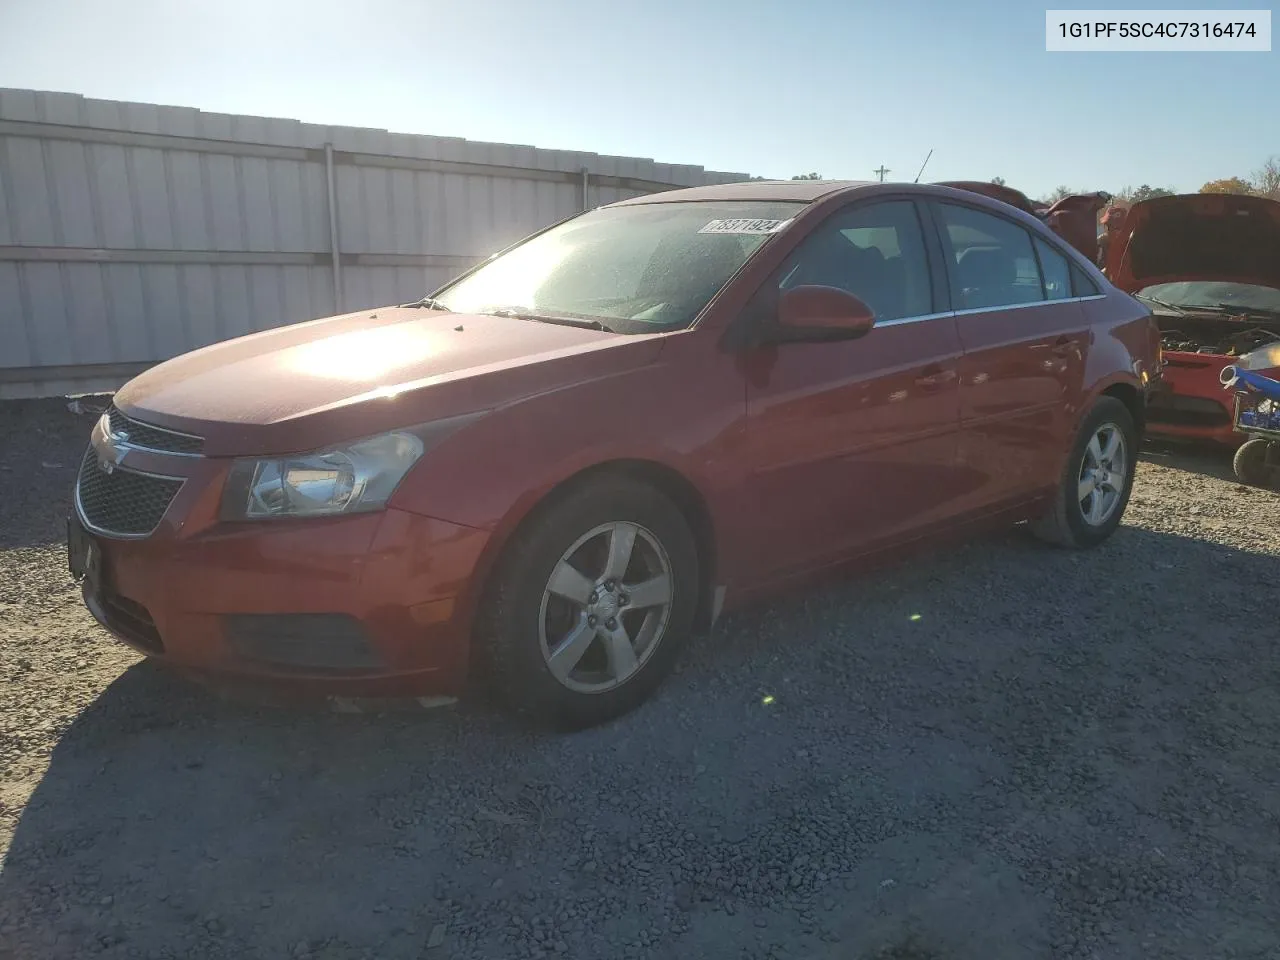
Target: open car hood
(1200, 236)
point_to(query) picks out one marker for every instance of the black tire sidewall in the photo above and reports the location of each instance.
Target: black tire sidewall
(1250, 462)
(510, 636)
(1106, 410)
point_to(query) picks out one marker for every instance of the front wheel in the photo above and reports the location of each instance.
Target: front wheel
(1096, 481)
(590, 604)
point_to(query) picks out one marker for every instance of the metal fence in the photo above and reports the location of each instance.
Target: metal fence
(131, 232)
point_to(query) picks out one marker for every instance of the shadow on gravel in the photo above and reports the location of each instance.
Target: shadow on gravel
(1208, 460)
(1000, 751)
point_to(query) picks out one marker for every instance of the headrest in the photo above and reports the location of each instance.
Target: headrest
(985, 266)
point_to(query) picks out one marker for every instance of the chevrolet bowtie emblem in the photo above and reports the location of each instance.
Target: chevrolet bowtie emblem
(110, 456)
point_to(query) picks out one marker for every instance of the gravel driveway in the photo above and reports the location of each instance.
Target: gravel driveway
(999, 750)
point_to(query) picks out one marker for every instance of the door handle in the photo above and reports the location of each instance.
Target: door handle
(934, 376)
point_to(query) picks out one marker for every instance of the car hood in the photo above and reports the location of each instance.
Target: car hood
(1203, 236)
(311, 384)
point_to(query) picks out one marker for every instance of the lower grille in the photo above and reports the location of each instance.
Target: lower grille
(122, 502)
(1190, 411)
(303, 641)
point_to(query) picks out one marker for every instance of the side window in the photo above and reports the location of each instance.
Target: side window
(991, 261)
(1056, 271)
(1082, 285)
(875, 251)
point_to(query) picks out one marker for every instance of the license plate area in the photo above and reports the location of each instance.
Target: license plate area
(84, 556)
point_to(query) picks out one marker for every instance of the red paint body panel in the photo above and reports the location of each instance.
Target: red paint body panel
(804, 455)
(305, 386)
(849, 444)
(1198, 375)
(1021, 378)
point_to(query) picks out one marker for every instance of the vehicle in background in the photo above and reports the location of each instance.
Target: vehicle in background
(561, 463)
(1209, 266)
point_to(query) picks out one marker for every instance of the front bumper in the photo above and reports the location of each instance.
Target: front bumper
(372, 604)
(1188, 401)
(1172, 414)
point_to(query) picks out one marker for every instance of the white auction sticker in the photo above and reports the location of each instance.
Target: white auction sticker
(744, 226)
(1221, 31)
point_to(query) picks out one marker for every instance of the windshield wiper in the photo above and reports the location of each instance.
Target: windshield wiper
(1161, 303)
(1248, 311)
(1217, 309)
(429, 304)
(518, 314)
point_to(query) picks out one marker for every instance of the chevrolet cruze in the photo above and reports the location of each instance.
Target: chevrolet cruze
(552, 471)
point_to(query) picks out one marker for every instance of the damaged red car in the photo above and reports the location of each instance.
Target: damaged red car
(1209, 267)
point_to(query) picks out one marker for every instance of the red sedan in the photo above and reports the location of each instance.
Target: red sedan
(561, 464)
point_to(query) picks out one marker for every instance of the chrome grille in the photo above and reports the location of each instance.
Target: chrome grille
(141, 434)
(122, 502)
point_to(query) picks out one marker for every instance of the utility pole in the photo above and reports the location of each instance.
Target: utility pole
(881, 172)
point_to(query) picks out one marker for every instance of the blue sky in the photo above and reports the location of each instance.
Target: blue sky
(767, 88)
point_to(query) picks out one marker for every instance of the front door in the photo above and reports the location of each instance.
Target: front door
(1024, 337)
(853, 443)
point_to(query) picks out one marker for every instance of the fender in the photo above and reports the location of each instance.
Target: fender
(532, 446)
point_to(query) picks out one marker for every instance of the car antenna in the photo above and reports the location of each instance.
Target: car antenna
(923, 165)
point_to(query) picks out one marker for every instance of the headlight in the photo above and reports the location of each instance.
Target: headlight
(353, 478)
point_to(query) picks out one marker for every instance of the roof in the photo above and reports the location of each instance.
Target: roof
(800, 190)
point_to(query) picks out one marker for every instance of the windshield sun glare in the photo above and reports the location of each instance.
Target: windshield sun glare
(637, 268)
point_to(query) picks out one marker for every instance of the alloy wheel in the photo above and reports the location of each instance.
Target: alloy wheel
(605, 607)
(1104, 470)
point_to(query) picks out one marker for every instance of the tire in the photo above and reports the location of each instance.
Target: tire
(1068, 522)
(1250, 463)
(525, 625)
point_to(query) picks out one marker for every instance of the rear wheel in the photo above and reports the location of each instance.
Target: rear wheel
(590, 604)
(1250, 463)
(1096, 480)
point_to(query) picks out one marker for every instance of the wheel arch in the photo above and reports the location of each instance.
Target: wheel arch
(1126, 389)
(667, 480)
(1132, 397)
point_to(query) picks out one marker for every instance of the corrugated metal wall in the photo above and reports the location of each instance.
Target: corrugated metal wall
(131, 232)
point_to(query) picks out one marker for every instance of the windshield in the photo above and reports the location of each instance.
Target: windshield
(1215, 295)
(636, 269)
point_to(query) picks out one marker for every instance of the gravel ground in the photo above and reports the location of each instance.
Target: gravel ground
(998, 750)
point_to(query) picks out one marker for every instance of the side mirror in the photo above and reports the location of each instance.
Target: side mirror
(814, 313)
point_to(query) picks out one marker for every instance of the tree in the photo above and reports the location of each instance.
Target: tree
(998, 181)
(1058, 193)
(1144, 192)
(1266, 179)
(808, 176)
(1228, 185)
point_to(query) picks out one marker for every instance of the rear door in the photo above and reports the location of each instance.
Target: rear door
(1024, 336)
(853, 443)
